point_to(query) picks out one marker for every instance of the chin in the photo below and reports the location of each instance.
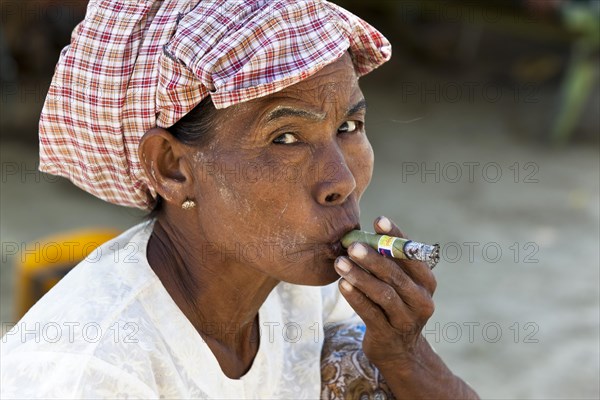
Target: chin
(315, 273)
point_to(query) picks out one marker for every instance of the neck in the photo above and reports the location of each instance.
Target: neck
(220, 297)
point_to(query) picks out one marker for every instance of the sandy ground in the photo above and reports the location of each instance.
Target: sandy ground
(518, 299)
(517, 304)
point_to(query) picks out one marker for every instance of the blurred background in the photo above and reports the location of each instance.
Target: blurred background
(485, 127)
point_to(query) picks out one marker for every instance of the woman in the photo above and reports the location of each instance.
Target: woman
(241, 124)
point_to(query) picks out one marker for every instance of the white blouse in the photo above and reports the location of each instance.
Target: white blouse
(110, 329)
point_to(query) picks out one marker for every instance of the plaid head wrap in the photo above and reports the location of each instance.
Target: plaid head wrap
(136, 64)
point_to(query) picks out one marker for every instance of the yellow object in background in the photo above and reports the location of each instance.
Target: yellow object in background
(44, 262)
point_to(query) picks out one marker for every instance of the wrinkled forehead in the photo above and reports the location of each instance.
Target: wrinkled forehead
(334, 79)
(333, 89)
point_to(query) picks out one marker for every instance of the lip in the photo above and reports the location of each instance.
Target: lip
(335, 250)
(334, 247)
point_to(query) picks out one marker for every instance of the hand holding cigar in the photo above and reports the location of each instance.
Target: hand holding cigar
(396, 247)
(393, 296)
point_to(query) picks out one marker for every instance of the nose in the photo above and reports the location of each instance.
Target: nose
(335, 181)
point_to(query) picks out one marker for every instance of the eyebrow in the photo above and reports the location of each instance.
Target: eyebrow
(360, 106)
(286, 111)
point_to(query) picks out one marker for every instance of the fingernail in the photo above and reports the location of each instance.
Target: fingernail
(357, 250)
(343, 265)
(384, 224)
(346, 285)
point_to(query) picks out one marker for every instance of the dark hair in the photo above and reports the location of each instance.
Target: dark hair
(194, 129)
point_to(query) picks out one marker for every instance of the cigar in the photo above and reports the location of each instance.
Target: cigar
(404, 249)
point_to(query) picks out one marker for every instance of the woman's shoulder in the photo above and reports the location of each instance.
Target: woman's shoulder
(98, 323)
(91, 299)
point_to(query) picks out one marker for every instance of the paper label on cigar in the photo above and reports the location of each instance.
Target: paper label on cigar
(385, 245)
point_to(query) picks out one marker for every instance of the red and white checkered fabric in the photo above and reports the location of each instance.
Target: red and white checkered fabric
(134, 64)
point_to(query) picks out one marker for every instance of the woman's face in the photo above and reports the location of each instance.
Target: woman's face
(280, 182)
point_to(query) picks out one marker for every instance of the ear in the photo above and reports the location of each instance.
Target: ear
(164, 159)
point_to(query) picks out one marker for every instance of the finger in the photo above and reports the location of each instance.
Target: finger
(369, 312)
(387, 270)
(418, 270)
(375, 289)
(384, 226)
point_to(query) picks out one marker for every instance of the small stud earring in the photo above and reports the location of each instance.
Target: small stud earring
(188, 204)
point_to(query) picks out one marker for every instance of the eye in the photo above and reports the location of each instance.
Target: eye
(349, 127)
(286, 138)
